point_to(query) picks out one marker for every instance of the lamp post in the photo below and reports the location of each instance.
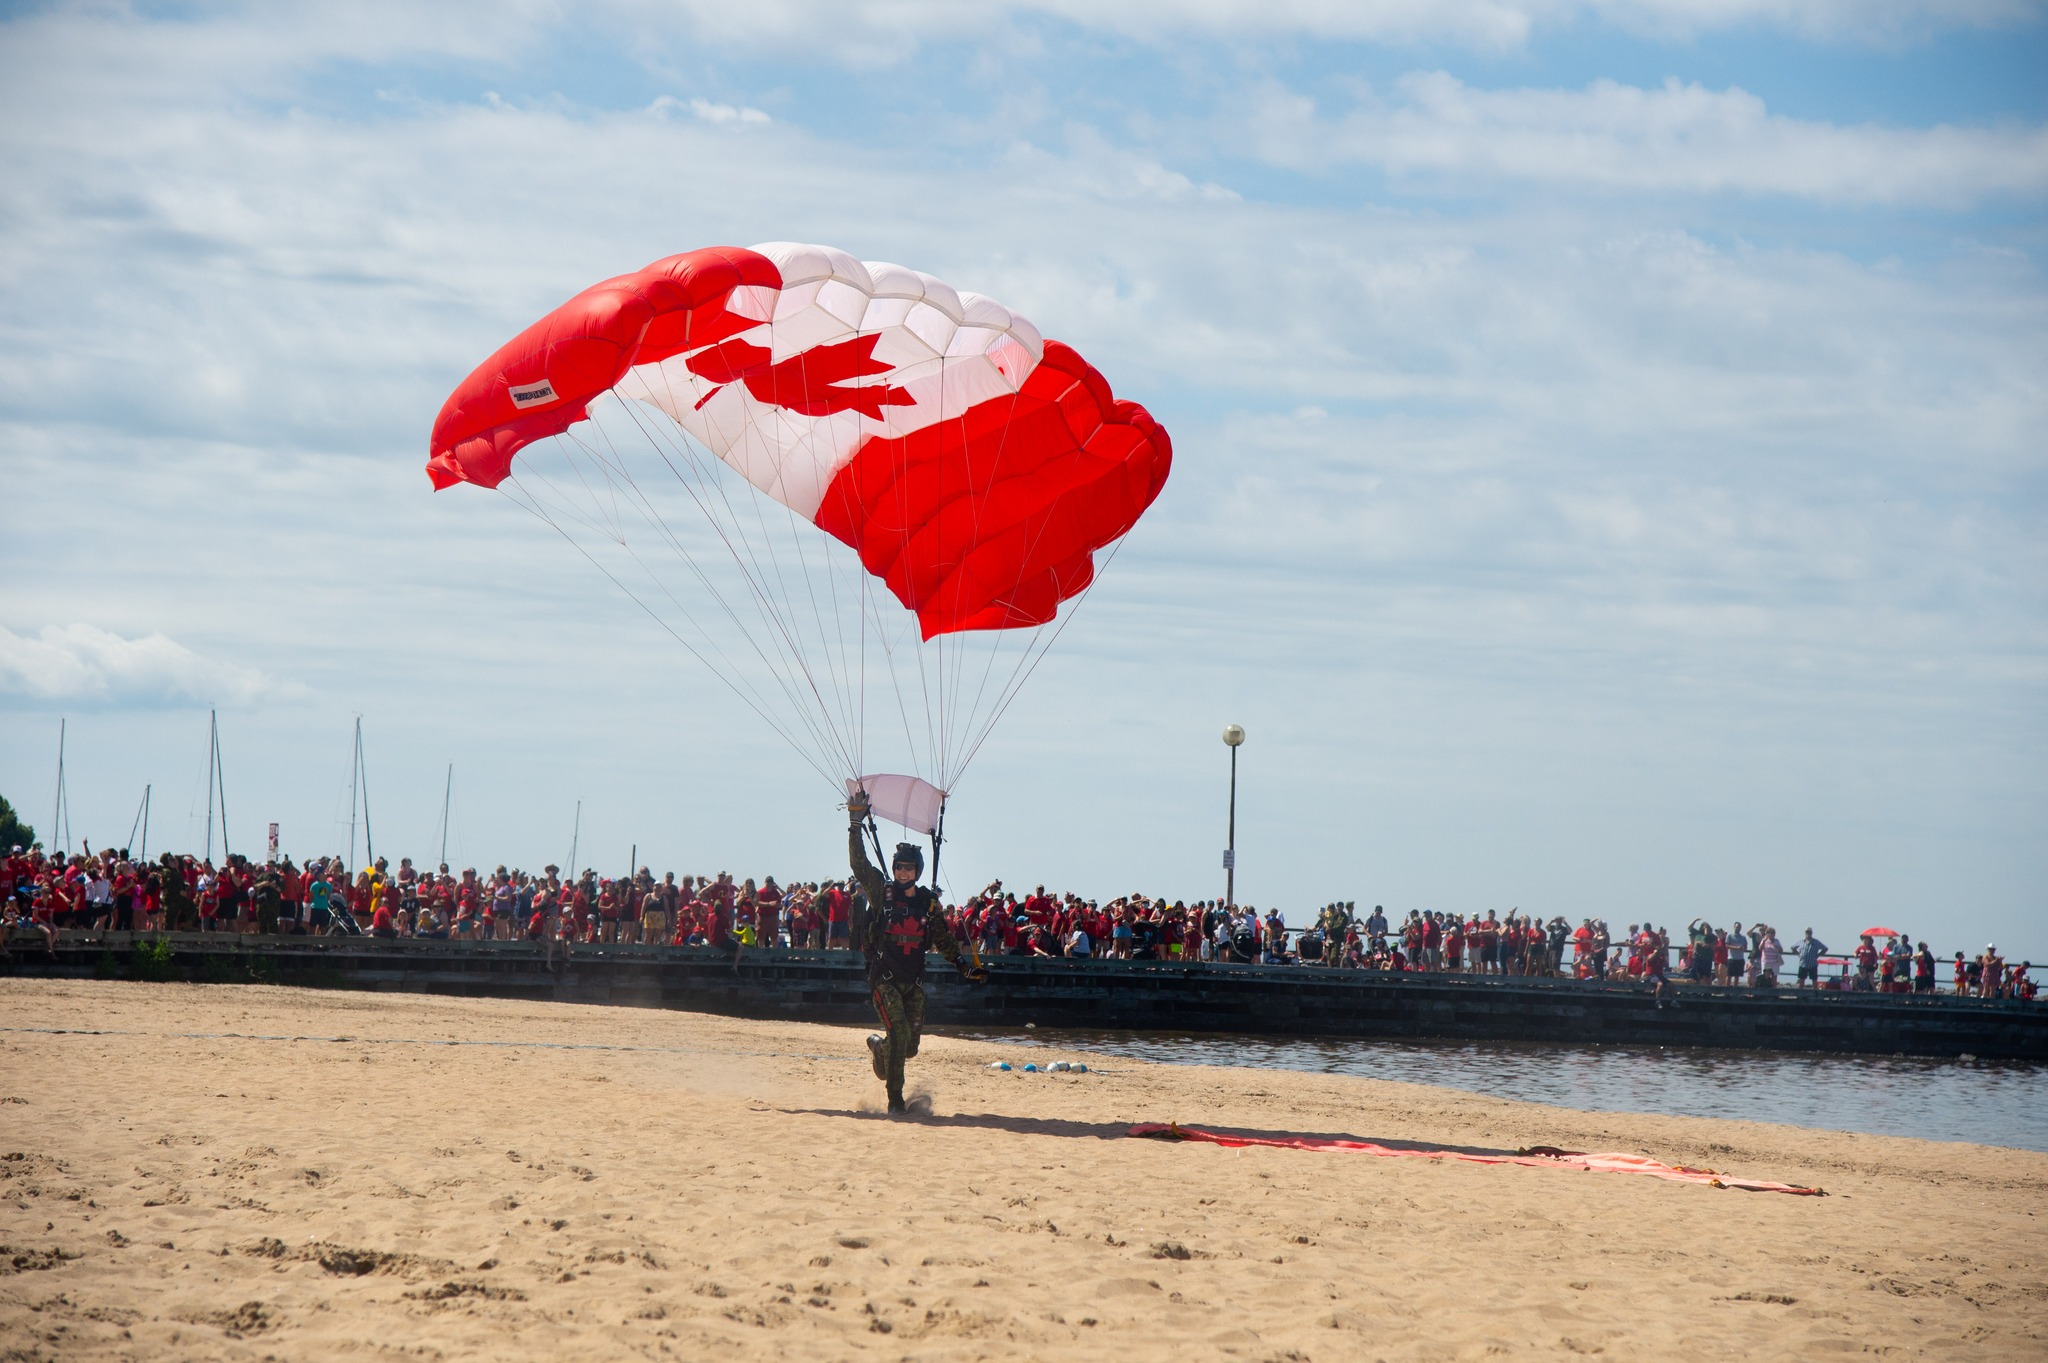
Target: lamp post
(1233, 737)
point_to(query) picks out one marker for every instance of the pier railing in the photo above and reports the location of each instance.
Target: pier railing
(1180, 996)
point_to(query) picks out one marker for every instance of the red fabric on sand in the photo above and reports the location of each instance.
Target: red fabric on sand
(1536, 1157)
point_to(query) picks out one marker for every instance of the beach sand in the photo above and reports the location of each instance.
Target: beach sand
(730, 1192)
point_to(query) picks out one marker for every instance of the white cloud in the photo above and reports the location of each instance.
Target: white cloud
(1590, 481)
(885, 31)
(263, 49)
(1682, 138)
(711, 112)
(84, 663)
(1090, 165)
(1876, 21)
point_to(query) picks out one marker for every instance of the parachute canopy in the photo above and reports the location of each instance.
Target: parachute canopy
(914, 803)
(973, 466)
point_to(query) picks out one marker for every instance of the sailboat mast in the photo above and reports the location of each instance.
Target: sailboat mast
(60, 821)
(221, 772)
(212, 749)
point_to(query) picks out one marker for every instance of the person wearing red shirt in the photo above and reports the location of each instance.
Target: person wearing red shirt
(1653, 955)
(804, 923)
(720, 891)
(746, 909)
(836, 922)
(814, 896)
(40, 914)
(291, 896)
(68, 905)
(768, 913)
(1866, 964)
(139, 898)
(1486, 944)
(1038, 906)
(209, 903)
(1923, 970)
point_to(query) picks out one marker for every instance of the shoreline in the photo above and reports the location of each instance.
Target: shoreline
(733, 1192)
(1740, 1080)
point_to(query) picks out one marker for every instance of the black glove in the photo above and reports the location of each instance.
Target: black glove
(971, 973)
(857, 807)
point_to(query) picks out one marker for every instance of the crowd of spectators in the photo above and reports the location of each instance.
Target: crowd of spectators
(45, 895)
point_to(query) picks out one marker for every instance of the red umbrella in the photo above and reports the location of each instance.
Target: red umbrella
(1882, 932)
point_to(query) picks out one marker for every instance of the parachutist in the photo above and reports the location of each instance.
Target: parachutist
(898, 922)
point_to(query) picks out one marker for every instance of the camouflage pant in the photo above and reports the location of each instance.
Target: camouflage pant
(900, 1006)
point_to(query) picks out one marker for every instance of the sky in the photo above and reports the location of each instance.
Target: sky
(1609, 461)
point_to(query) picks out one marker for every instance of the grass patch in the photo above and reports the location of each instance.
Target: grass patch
(239, 969)
(152, 961)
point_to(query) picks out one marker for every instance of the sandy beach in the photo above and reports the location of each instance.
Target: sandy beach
(334, 1180)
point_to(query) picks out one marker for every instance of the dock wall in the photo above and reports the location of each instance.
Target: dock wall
(820, 986)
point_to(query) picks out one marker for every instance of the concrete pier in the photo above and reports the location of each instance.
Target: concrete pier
(823, 986)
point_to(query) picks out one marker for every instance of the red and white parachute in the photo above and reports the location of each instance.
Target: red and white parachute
(968, 465)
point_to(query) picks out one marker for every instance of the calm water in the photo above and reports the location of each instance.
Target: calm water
(1942, 1100)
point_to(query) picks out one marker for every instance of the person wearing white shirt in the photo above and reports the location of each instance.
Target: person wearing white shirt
(1770, 955)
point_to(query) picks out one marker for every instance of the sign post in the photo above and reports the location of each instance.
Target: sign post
(1233, 735)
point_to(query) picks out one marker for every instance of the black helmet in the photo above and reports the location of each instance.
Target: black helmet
(908, 854)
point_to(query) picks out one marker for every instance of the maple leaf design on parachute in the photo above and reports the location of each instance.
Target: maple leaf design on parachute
(812, 382)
